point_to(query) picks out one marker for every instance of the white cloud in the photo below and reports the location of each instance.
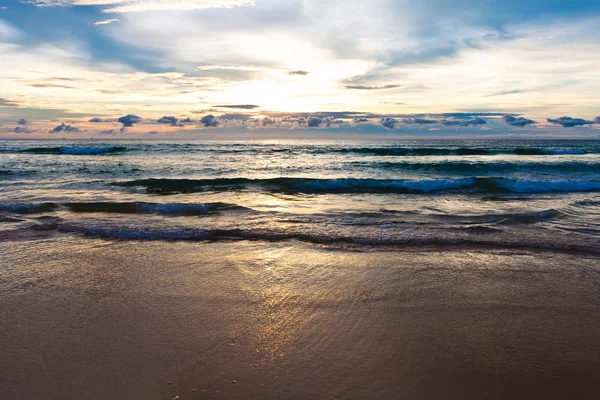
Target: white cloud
(8, 32)
(107, 21)
(123, 6)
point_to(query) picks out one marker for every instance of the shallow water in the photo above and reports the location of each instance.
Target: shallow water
(543, 194)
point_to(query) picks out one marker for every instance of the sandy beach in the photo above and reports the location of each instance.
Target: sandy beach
(97, 319)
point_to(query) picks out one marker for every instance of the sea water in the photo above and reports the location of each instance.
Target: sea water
(534, 194)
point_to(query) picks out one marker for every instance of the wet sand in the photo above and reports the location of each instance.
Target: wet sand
(93, 319)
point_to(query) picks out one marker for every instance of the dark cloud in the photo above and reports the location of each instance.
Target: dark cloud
(187, 120)
(420, 121)
(389, 122)
(20, 129)
(235, 116)
(50, 85)
(515, 91)
(363, 87)
(360, 120)
(315, 122)
(128, 121)
(8, 103)
(240, 106)
(209, 121)
(517, 121)
(22, 121)
(569, 122)
(173, 121)
(96, 119)
(464, 122)
(268, 121)
(66, 128)
(299, 72)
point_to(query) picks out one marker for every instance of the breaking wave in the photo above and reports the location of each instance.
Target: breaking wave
(121, 208)
(349, 185)
(75, 150)
(462, 151)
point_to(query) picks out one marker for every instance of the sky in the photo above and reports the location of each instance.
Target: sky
(187, 69)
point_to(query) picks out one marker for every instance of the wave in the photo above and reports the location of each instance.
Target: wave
(315, 149)
(462, 151)
(471, 168)
(75, 150)
(348, 185)
(476, 236)
(122, 208)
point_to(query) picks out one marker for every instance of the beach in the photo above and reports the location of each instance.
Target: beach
(99, 319)
(299, 200)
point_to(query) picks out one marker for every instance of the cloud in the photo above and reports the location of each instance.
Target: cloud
(107, 21)
(464, 122)
(96, 120)
(506, 92)
(314, 122)
(128, 120)
(22, 121)
(569, 122)
(63, 127)
(8, 32)
(389, 122)
(173, 121)
(187, 120)
(240, 106)
(124, 6)
(210, 121)
(20, 129)
(294, 122)
(50, 85)
(517, 121)
(299, 72)
(362, 87)
(420, 121)
(8, 103)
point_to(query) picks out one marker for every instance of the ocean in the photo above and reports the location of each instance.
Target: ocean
(347, 193)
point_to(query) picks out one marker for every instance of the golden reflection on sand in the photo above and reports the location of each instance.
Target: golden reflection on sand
(281, 315)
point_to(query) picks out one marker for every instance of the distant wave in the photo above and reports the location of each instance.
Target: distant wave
(463, 151)
(121, 207)
(266, 149)
(309, 186)
(75, 150)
